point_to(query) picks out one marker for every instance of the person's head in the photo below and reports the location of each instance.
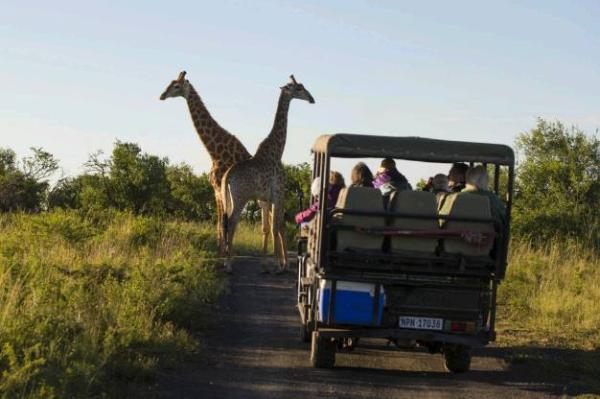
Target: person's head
(457, 174)
(387, 164)
(361, 175)
(440, 182)
(477, 177)
(336, 179)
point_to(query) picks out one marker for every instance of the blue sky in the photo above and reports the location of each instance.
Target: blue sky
(76, 76)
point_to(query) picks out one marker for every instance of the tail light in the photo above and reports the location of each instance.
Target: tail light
(460, 326)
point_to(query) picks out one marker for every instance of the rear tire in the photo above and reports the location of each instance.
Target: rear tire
(457, 358)
(322, 353)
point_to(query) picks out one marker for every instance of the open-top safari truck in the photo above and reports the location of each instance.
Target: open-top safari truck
(410, 274)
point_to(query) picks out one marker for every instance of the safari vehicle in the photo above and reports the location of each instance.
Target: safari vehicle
(408, 274)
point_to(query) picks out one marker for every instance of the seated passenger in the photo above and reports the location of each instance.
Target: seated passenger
(456, 177)
(388, 179)
(336, 183)
(361, 176)
(439, 186)
(477, 183)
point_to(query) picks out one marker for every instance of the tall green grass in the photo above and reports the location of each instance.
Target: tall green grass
(551, 295)
(89, 304)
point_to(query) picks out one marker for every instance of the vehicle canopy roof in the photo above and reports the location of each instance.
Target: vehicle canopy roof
(346, 145)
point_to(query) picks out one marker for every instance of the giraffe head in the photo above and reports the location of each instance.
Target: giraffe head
(180, 87)
(297, 90)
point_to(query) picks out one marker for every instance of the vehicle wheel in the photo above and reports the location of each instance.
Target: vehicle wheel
(322, 353)
(457, 358)
(304, 333)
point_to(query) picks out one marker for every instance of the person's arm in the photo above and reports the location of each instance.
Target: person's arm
(307, 214)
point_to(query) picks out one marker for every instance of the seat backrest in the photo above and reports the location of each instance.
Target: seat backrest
(467, 205)
(363, 199)
(414, 203)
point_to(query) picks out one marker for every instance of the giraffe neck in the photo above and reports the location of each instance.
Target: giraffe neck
(272, 146)
(218, 142)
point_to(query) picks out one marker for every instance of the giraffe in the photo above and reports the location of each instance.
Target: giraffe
(224, 148)
(262, 177)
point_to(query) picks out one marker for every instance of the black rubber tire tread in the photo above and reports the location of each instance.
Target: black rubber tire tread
(322, 352)
(457, 358)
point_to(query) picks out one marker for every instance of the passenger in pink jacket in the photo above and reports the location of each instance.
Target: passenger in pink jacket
(336, 183)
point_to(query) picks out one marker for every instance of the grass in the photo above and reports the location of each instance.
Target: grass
(551, 295)
(549, 309)
(248, 239)
(90, 304)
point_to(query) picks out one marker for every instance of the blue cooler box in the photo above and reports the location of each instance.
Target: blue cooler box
(353, 302)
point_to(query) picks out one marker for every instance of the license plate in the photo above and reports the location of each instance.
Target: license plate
(420, 323)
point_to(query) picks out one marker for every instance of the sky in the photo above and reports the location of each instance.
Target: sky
(77, 76)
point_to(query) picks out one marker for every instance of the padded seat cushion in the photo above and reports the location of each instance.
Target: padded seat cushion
(363, 199)
(467, 205)
(415, 203)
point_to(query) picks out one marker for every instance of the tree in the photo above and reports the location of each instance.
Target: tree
(298, 180)
(192, 195)
(23, 185)
(557, 187)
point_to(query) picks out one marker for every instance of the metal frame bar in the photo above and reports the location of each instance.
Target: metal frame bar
(478, 340)
(376, 304)
(331, 304)
(497, 179)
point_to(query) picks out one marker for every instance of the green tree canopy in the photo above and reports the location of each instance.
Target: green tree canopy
(24, 185)
(557, 186)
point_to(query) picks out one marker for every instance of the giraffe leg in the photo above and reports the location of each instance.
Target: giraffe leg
(220, 232)
(266, 224)
(230, 225)
(284, 247)
(279, 235)
(266, 230)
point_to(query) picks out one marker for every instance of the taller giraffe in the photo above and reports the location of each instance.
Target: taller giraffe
(262, 177)
(224, 148)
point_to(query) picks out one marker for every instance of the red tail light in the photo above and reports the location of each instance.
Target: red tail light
(462, 326)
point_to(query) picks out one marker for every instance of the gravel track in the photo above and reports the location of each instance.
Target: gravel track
(253, 351)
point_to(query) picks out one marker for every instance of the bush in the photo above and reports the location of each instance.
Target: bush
(89, 305)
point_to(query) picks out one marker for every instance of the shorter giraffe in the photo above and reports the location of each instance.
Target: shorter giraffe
(262, 177)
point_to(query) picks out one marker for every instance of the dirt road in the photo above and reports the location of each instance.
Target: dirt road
(253, 351)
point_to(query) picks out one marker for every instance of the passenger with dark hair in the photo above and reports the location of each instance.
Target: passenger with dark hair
(361, 176)
(389, 180)
(457, 176)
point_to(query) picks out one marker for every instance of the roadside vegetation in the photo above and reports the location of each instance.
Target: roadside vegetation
(105, 275)
(551, 295)
(88, 305)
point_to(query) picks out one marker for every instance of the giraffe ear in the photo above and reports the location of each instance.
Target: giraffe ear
(181, 76)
